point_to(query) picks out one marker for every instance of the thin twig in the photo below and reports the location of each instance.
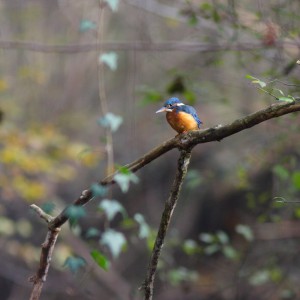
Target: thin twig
(282, 82)
(41, 213)
(182, 166)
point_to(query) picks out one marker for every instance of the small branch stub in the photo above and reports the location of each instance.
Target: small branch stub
(41, 213)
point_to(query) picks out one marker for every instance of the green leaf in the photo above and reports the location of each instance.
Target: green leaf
(256, 80)
(151, 240)
(110, 59)
(123, 170)
(296, 179)
(190, 247)
(281, 172)
(230, 252)
(113, 4)
(176, 276)
(123, 179)
(128, 223)
(86, 25)
(144, 227)
(114, 240)
(206, 237)
(100, 259)
(193, 20)
(216, 16)
(177, 85)
(98, 190)
(297, 212)
(74, 263)
(206, 6)
(92, 232)
(111, 121)
(280, 91)
(222, 237)
(279, 202)
(286, 99)
(245, 231)
(48, 207)
(276, 274)
(75, 213)
(193, 179)
(111, 208)
(260, 277)
(190, 96)
(211, 249)
(150, 95)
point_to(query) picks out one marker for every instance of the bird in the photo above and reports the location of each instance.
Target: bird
(182, 118)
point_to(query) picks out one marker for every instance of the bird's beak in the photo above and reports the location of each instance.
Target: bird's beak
(163, 109)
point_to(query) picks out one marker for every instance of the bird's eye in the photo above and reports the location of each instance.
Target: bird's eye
(169, 106)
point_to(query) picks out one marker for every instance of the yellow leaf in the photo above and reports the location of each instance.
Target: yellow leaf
(3, 85)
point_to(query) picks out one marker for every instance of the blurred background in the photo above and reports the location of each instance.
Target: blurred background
(80, 82)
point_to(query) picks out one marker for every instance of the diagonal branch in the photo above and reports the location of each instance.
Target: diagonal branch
(182, 167)
(181, 142)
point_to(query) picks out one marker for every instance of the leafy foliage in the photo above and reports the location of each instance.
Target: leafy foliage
(111, 208)
(98, 190)
(144, 230)
(110, 59)
(75, 213)
(190, 247)
(92, 232)
(74, 263)
(111, 121)
(100, 259)
(245, 231)
(38, 152)
(218, 242)
(86, 25)
(124, 177)
(114, 240)
(270, 91)
(113, 4)
(177, 276)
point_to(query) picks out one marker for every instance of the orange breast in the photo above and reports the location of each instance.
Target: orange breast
(181, 121)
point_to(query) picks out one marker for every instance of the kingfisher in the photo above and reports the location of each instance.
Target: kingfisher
(181, 117)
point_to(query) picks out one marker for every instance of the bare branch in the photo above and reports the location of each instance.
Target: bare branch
(183, 142)
(139, 46)
(182, 167)
(46, 254)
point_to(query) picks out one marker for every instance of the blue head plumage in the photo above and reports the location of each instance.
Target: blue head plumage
(172, 102)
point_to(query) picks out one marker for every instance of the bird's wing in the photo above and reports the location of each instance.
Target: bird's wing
(191, 110)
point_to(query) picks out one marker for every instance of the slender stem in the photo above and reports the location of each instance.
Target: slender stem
(102, 91)
(182, 166)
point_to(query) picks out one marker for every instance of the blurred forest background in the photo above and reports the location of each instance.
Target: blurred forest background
(80, 79)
